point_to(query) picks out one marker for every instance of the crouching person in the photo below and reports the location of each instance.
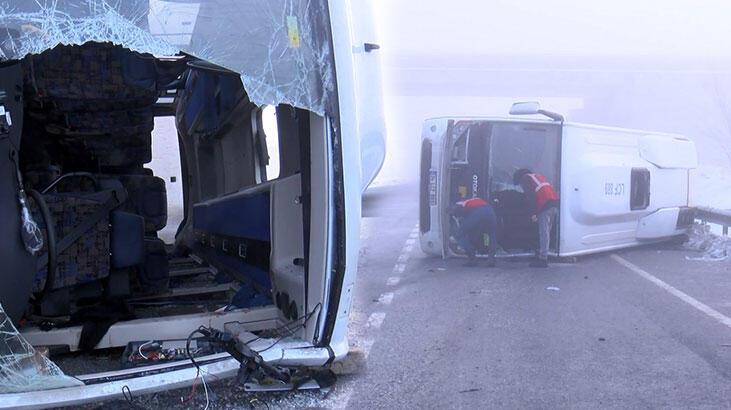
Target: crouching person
(476, 218)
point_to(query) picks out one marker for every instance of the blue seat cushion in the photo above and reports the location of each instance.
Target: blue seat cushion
(127, 238)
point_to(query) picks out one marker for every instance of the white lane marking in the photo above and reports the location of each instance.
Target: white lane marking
(718, 316)
(376, 319)
(399, 268)
(367, 345)
(386, 298)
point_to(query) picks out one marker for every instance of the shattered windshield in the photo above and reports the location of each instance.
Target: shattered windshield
(281, 48)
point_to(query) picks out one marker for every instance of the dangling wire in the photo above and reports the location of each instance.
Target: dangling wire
(32, 234)
(139, 349)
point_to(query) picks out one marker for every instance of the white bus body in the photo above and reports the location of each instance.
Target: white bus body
(618, 187)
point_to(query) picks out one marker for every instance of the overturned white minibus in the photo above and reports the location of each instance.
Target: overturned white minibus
(618, 187)
(263, 264)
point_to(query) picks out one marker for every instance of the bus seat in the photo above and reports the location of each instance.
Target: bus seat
(86, 259)
(93, 104)
(233, 232)
(147, 197)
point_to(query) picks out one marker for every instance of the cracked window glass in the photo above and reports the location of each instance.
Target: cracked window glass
(23, 368)
(281, 48)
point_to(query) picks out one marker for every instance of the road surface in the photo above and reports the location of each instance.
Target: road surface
(639, 328)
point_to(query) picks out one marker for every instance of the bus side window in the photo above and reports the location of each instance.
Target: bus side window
(268, 118)
(461, 148)
(640, 189)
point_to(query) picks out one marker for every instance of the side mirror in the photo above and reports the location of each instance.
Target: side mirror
(525, 108)
(531, 108)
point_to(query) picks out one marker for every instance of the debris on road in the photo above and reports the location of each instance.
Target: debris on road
(553, 288)
(354, 363)
(713, 247)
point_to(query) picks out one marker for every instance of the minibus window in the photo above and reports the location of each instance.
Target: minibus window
(515, 146)
(461, 148)
(640, 186)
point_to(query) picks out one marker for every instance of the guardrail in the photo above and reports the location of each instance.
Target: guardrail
(715, 216)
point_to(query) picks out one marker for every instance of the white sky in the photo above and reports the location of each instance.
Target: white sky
(606, 27)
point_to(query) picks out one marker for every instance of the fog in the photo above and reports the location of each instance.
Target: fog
(617, 27)
(659, 66)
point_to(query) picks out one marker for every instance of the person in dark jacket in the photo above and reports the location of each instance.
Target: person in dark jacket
(476, 219)
(543, 200)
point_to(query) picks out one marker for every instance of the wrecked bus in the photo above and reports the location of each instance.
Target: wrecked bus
(262, 266)
(618, 187)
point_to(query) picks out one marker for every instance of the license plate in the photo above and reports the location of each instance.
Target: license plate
(432, 188)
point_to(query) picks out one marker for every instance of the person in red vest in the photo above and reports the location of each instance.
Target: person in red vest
(544, 200)
(476, 219)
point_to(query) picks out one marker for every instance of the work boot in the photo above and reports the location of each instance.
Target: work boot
(490, 262)
(539, 263)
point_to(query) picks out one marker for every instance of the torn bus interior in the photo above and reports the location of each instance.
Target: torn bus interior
(82, 85)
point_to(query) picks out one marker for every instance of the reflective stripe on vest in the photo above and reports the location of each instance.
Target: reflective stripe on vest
(538, 183)
(472, 203)
(544, 191)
